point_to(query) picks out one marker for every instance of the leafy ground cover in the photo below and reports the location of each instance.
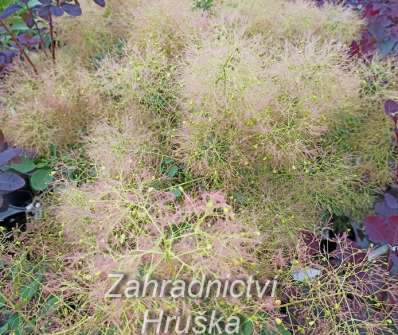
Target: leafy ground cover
(226, 139)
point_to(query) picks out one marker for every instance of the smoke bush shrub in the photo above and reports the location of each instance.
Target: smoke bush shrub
(124, 148)
(146, 78)
(53, 108)
(172, 100)
(156, 232)
(247, 105)
(166, 25)
(58, 105)
(34, 16)
(282, 21)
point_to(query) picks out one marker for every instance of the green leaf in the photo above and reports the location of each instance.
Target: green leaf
(41, 179)
(14, 324)
(172, 171)
(49, 306)
(239, 198)
(177, 192)
(29, 291)
(33, 3)
(5, 3)
(283, 331)
(168, 161)
(280, 331)
(3, 303)
(4, 329)
(247, 327)
(20, 27)
(25, 166)
(41, 165)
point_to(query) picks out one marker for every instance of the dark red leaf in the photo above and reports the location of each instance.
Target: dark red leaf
(382, 229)
(374, 226)
(28, 18)
(370, 11)
(367, 44)
(3, 144)
(354, 49)
(311, 241)
(347, 251)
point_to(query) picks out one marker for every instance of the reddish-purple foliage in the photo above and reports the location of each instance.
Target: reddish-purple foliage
(312, 243)
(381, 32)
(44, 9)
(364, 279)
(382, 230)
(347, 251)
(391, 108)
(9, 181)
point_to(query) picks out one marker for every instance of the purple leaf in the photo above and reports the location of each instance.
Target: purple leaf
(72, 10)
(374, 227)
(394, 10)
(382, 229)
(311, 241)
(8, 155)
(56, 11)
(391, 108)
(9, 11)
(100, 2)
(6, 56)
(28, 18)
(28, 39)
(348, 252)
(367, 44)
(30, 22)
(378, 28)
(354, 49)
(44, 12)
(393, 262)
(381, 209)
(391, 201)
(10, 182)
(387, 46)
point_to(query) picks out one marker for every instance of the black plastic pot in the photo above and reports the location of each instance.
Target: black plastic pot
(14, 210)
